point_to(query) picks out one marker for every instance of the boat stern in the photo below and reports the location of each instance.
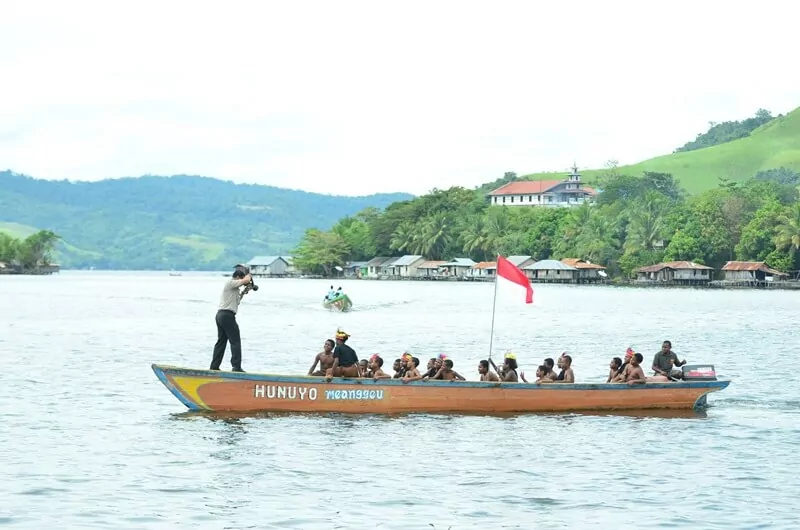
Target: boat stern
(714, 386)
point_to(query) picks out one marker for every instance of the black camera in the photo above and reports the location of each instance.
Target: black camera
(240, 271)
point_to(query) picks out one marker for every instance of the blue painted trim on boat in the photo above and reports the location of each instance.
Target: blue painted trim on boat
(275, 378)
(159, 371)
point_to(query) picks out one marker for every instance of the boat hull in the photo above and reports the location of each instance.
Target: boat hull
(248, 392)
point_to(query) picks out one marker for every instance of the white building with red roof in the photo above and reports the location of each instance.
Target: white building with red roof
(548, 193)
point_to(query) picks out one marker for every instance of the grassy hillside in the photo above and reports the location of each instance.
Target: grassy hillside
(182, 222)
(773, 145)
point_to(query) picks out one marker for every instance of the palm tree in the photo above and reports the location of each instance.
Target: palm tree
(497, 227)
(787, 233)
(435, 236)
(646, 226)
(598, 239)
(403, 237)
(474, 237)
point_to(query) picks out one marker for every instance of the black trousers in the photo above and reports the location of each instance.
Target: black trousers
(227, 330)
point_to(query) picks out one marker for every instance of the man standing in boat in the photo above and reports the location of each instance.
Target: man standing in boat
(665, 360)
(227, 327)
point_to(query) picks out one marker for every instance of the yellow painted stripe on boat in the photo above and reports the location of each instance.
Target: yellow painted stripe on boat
(189, 385)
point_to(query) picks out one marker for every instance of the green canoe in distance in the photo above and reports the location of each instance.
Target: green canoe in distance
(341, 303)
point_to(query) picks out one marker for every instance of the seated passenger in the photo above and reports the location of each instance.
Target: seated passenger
(634, 375)
(541, 375)
(509, 374)
(331, 294)
(566, 375)
(616, 362)
(560, 364)
(412, 374)
(398, 369)
(376, 370)
(324, 358)
(486, 375)
(618, 378)
(665, 361)
(363, 367)
(550, 374)
(430, 370)
(447, 373)
(345, 360)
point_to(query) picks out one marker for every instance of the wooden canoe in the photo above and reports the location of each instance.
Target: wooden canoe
(251, 392)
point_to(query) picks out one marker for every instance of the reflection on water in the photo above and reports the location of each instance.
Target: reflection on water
(90, 438)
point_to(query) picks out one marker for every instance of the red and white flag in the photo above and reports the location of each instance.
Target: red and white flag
(512, 273)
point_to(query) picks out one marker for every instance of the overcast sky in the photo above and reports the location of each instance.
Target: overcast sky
(360, 97)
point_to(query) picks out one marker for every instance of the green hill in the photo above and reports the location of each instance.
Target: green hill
(772, 145)
(181, 222)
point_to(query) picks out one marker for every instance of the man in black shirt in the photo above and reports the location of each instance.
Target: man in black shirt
(345, 360)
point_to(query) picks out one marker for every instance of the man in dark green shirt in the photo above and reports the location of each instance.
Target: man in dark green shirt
(665, 360)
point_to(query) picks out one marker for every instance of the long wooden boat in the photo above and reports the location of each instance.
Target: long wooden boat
(253, 392)
(341, 302)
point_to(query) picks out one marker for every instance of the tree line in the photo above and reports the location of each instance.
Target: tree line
(29, 254)
(635, 221)
(727, 131)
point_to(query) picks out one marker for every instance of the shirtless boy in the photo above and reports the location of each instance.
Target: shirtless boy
(447, 373)
(324, 358)
(633, 373)
(486, 375)
(375, 364)
(412, 374)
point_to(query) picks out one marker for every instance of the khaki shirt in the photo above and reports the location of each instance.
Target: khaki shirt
(230, 297)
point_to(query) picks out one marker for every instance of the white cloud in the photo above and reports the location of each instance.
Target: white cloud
(359, 97)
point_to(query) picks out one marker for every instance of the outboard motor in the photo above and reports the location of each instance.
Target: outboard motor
(699, 372)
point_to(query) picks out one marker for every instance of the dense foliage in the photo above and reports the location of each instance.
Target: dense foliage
(29, 254)
(180, 222)
(635, 221)
(727, 131)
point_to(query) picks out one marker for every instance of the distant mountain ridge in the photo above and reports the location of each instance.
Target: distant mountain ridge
(180, 222)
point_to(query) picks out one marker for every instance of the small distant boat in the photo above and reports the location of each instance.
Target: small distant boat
(213, 390)
(341, 302)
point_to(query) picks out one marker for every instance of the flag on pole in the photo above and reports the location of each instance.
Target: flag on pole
(512, 273)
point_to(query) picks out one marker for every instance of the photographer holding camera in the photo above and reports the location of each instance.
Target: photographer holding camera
(227, 328)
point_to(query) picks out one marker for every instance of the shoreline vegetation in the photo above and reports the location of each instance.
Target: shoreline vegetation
(31, 255)
(636, 230)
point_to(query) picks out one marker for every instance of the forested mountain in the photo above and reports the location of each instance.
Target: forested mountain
(181, 222)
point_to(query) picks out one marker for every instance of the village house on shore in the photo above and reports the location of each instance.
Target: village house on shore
(416, 267)
(733, 274)
(566, 270)
(16, 268)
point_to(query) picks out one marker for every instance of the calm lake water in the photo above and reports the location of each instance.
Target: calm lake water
(90, 438)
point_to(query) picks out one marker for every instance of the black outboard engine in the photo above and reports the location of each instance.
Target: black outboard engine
(699, 372)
